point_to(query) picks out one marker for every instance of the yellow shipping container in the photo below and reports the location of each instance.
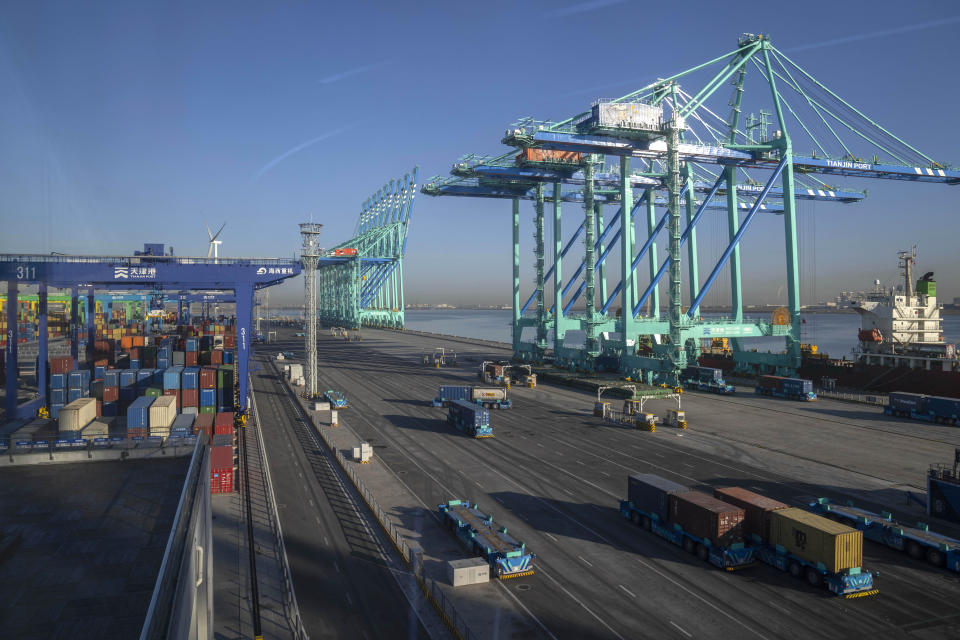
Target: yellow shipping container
(817, 539)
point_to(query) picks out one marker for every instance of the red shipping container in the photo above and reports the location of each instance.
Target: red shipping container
(756, 520)
(223, 423)
(204, 423)
(208, 378)
(176, 394)
(99, 409)
(221, 457)
(111, 394)
(704, 516)
(135, 353)
(190, 358)
(229, 341)
(216, 356)
(221, 480)
(62, 364)
(189, 398)
(769, 382)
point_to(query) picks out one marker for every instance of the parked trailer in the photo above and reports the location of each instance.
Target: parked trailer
(917, 542)
(922, 407)
(789, 388)
(487, 397)
(652, 500)
(469, 418)
(508, 557)
(336, 399)
(706, 379)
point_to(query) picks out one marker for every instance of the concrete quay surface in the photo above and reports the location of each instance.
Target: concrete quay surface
(554, 474)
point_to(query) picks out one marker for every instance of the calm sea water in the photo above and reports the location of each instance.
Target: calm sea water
(834, 333)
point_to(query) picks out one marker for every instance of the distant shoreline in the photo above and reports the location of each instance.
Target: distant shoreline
(823, 310)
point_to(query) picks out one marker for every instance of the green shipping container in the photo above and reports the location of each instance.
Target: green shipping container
(154, 392)
(208, 409)
(225, 376)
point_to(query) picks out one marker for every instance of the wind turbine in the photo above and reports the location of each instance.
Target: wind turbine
(214, 250)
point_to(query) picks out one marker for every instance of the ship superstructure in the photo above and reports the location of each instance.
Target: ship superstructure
(902, 327)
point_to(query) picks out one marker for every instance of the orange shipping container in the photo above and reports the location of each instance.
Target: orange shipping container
(550, 155)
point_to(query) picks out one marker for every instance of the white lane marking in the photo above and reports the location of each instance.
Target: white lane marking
(550, 536)
(336, 566)
(632, 594)
(559, 453)
(326, 540)
(585, 561)
(350, 600)
(776, 606)
(567, 490)
(687, 464)
(581, 463)
(299, 474)
(310, 500)
(578, 601)
(681, 629)
(659, 455)
(605, 473)
(317, 518)
(529, 613)
(539, 445)
(477, 483)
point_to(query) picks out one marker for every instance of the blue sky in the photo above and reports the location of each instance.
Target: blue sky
(130, 122)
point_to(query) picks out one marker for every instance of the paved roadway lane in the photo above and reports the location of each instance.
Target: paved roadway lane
(553, 476)
(342, 569)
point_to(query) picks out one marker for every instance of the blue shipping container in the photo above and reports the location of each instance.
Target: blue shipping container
(74, 394)
(190, 378)
(208, 397)
(58, 381)
(138, 413)
(943, 407)
(144, 378)
(79, 379)
(171, 378)
(128, 378)
(55, 410)
(109, 409)
(58, 396)
(163, 363)
(99, 372)
(901, 401)
(193, 344)
(448, 393)
(111, 378)
(135, 363)
(184, 421)
(228, 357)
(797, 386)
(128, 395)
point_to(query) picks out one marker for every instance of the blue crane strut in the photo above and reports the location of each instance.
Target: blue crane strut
(683, 239)
(756, 207)
(596, 247)
(736, 239)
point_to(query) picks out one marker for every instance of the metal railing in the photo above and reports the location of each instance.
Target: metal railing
(289, 596)
(412, 556)
(159, 613)
(64, 259)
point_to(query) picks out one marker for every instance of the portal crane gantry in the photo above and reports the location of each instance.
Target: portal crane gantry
(699, 160)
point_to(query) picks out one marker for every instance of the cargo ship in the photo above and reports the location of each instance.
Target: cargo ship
(900, 344)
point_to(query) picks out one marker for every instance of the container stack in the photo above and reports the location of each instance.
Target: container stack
(163, 412)
(204, 424)
(138, 417)
(221, 465)
(190, 390)
(171, 384)
(183, 425)
(77, 415)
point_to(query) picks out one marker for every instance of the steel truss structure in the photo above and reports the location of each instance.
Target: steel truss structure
(361, 280)
(688, 160)
(241, 276)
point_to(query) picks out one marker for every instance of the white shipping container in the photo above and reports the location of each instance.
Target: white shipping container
(296, 371)
(163, 412)
(321, 406)
(78, 414)
(469, 571)
(488, 393)
(333, 418)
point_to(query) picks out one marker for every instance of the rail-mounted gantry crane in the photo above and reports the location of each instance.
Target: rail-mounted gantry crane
(688, 159)
(361, 280)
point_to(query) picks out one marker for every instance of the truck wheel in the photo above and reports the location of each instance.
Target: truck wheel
(814, 577)
(635, 517)
(646, 523)
(935, 557)
(702, 551)
(914, 550)
(795, 569)
(689, 545)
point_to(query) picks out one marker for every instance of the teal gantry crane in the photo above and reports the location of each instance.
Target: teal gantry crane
(688, 160)
(361, 280)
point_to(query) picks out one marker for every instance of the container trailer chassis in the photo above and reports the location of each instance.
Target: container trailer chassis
(507, 556)
(917, 542)
(850, 583)
(927, 416)
(776, 393)
(736, 556)
(336, 399)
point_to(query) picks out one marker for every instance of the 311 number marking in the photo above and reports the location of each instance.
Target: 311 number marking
(26, 273)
